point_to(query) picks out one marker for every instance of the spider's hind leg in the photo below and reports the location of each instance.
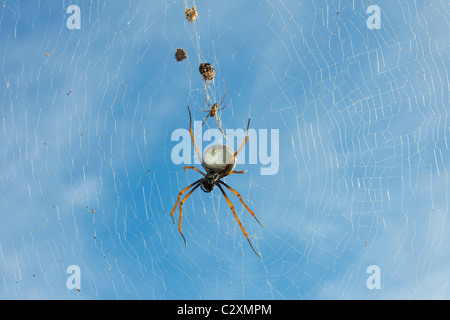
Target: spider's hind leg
(220, 127)
(242, 201)
(237, 219)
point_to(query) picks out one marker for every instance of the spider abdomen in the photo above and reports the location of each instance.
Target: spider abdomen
(217, 158)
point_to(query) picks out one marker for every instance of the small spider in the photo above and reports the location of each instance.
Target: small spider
(215, 172)
(212, 112)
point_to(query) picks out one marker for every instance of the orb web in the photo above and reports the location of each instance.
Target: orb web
(87, 177)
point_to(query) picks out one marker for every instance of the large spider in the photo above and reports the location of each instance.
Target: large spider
(215, 172)
(214, 109)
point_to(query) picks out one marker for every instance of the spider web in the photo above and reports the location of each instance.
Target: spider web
(86, 172)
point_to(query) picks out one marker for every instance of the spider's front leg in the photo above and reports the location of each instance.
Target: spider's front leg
(193, 168)
(181, 210)
(232, 172)
(179, 197)
(207, 116)
(219, 126)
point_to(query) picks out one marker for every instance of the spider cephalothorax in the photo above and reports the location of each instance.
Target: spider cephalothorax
(218, 162)
(213, 111)
(209, 181)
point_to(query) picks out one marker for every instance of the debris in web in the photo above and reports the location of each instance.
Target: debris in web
(191, 14)
(207, 71)
(180, 55)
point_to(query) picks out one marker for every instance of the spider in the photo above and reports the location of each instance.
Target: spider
(212, 112)
(215, 172)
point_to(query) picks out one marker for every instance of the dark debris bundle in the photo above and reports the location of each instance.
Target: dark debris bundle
(191, 14)
(180, 55)
(207, 71)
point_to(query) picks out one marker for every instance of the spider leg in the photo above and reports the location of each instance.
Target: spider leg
(204, 110)
(222, 107)
(193, 168)
(193, 140)
(181, 210)
(231, 172)
(207, 103)
(245, 140)
(204, 96)
(237, 219)
(206, 100)
(242, 201)
(223, 95)
(230, 163)
(179, 196)
(218, 124)
(209, 114)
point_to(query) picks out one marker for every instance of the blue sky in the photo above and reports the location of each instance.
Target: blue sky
(87, 178)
